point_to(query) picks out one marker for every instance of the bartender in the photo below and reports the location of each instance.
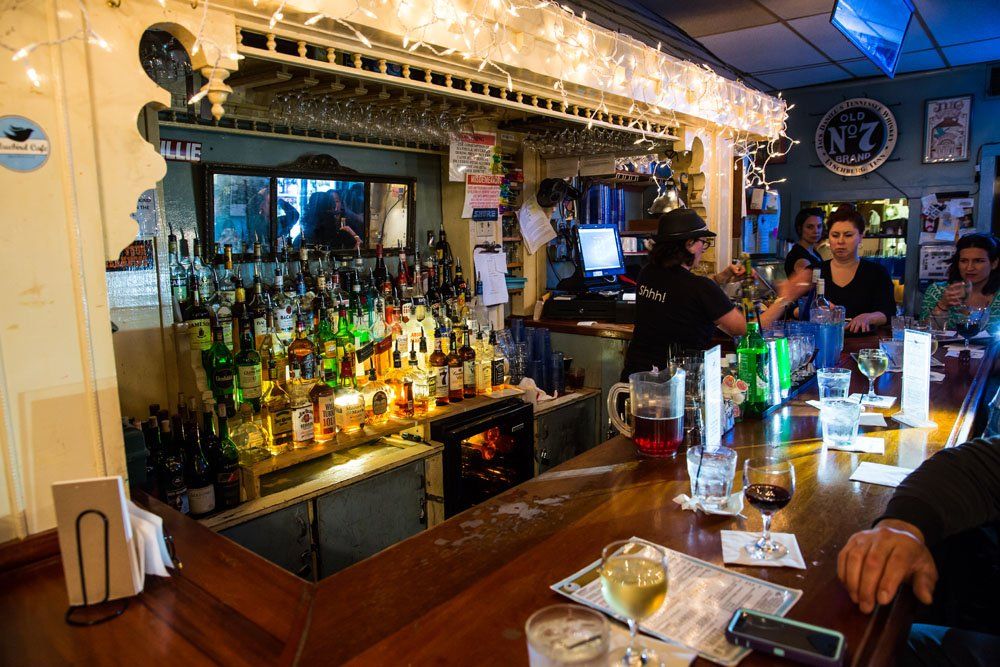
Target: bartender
(676, 308)
(809, 228)
(863, 287)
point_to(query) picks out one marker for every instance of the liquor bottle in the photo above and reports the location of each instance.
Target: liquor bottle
(151, 438)
(344, 338)
(461, 287)
(348, 405)
(402, 405)
(240, 315)
(222, 306)
(171, 471)
(326, 345)
(198, 473)
(226, 465)
(302, 353)
(442, 250)
(500, 366)
(432, 294)
(402, 275)
(337, 295)
(322, 396)
(302, 408)
(276, 413)
(258, 262)
(439, 364)
(258, 310)
(248, 373)
(379, 272)
(752, 355)
(308, 280)
(420, 387)
(227, 281)
(377, 397)
(250, 438)
(199, 321)
(202, 273)
(484, 365)
(468, 357)
(284, 316)
(456, 378)
(272, 348)
(220, 369)
(821, 302)
(178, 274)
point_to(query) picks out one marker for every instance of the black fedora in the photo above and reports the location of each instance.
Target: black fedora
(680, 224)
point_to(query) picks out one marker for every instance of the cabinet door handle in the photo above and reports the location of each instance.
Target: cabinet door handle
(303, 527)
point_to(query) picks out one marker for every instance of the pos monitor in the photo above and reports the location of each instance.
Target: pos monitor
(600, 251)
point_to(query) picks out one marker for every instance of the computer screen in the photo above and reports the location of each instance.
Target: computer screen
(600, 251)
(876, 27)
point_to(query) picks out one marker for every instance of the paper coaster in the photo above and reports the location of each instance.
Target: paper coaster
(863, 444)
(879, 473)
(877, 402)
(734, 553)
(872, 419)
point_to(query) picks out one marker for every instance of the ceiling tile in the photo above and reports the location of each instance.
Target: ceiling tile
(861, 67)
(919, 60)
(793, 9)
(710, 17)
(804, 77)
(829, 40)
(742, 48)
(916, 38)
(956, 22)
(975, 52)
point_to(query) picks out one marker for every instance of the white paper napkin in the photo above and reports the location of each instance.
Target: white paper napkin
(936, 362)
(734, 507)
(863, 444)
(819, 404)
(872, 419)
(879, 473)
(877, 402)
(670, 655)
(974, 352)
(733, 552)
(936, 377)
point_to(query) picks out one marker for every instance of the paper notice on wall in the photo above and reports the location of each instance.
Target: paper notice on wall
(491, 268)
(536, 227)
(482, 191)
(470, 153)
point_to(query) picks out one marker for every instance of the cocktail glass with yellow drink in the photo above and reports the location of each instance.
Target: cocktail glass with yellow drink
(634, 583)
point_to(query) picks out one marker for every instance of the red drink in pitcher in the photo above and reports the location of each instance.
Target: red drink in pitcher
(658, 437)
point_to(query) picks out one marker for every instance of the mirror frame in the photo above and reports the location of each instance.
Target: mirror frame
(317, 166)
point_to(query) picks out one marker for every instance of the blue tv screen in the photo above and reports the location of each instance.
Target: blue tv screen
(876, 27)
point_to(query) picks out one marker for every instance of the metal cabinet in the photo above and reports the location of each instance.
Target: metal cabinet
(602, 360)
(360, 520)
(283, 537)
(565, 432)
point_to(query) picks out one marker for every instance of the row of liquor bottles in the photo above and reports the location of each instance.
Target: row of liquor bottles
(192, 464)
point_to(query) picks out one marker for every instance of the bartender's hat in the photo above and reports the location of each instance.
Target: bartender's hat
(681, 223)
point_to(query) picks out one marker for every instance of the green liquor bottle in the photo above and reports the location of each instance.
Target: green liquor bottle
(220, 368)
(248, 372)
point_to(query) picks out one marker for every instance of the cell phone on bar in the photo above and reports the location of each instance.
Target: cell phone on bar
(785, 638)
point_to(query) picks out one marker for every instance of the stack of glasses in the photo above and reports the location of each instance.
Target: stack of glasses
(534, 358)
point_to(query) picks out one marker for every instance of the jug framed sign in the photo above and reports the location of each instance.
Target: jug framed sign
(856, 136)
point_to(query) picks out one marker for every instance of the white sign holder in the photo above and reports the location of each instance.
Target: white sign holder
(712, 391)
(915, 401)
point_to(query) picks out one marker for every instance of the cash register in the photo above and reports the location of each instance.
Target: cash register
(594, 292)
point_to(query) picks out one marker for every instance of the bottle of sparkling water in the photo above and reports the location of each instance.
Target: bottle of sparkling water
(752, 355)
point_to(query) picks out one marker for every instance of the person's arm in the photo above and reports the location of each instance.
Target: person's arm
(732, 323)
(954, 490)
(929, 305)
(788, 292)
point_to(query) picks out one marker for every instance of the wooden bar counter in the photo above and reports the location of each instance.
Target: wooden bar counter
(459, 593)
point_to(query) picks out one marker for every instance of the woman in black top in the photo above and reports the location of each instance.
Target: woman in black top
(678, 309)
(809, 228)
(864, 288)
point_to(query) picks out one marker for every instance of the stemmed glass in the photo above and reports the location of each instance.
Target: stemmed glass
(872, 363)
(634, 583)
(971, 321)
(768, 485)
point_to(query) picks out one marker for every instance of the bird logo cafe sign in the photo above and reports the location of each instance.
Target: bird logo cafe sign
(856, 136)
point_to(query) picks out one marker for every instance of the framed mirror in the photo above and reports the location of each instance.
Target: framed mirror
(314, 200)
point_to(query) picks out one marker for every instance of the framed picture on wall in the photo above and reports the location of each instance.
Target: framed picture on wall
(947, 123)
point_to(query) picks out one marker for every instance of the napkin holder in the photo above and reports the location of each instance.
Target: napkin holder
(100, 559)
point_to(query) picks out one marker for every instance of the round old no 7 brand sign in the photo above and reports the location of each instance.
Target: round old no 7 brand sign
(856, 136)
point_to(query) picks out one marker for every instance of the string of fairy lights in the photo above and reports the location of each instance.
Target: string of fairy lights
(493, 34)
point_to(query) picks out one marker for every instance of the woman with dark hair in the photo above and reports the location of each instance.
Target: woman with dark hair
(863, 287)
(975, 261)
(809, 229)
(677, 309)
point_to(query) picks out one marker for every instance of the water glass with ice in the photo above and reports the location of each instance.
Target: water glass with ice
(840, 418)
(711, 473)
(567, 634)
(833, 383)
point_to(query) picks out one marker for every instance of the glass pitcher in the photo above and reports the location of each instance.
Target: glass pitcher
(656, 406)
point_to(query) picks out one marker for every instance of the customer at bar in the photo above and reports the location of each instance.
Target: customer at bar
(976, 260)
(677, 309)
(803, 254)
(939, 533)
(863, 287)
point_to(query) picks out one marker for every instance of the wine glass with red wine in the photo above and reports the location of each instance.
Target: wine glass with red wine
(768, 485)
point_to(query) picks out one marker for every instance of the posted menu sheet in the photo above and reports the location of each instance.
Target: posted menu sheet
(701, 599)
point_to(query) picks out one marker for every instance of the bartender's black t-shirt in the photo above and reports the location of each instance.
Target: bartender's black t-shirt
(673, 306)
(795, 254)
(870, 290)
